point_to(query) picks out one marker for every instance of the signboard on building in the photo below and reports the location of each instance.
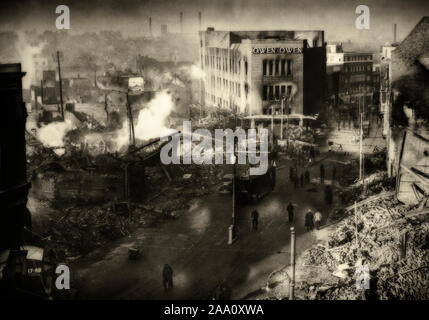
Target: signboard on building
(277, 50)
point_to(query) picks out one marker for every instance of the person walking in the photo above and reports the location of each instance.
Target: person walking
(309, 220)
(318, 219)
(290, 212)
(322, 174)
(255, 217)
(167, 277)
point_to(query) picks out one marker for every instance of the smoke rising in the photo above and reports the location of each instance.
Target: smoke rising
(27, 56)
(151, 121)
(52, 135)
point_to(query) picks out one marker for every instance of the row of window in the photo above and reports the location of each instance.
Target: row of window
(357, 89)
(224, 84)
(220, 102)
(357, 58)
(358, 68)
(221, 63)
(357, 78)
(276, 92)
(277, 67)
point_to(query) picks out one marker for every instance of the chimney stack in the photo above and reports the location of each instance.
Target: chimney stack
(199, 21)
(181, 22)
(394, 33)
(150, 27)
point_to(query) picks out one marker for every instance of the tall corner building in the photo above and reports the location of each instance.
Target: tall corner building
(254, 71)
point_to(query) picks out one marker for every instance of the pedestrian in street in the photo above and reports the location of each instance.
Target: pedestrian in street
(301, 179)
(290, 212)
(167, 277)
(307, 176)
(255, 217)
(309, 220)
(322, 174)
(318, 219)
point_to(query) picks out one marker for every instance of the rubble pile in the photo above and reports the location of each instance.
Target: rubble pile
(371, 187)
(301, 133)
(387, 236)
(76, 231)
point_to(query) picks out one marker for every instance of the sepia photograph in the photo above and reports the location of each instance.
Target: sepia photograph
(241, 151)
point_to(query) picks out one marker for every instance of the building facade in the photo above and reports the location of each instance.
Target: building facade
(406, 84)
(252, 72)
(351, 77)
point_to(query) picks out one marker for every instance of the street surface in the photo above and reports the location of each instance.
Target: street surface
(195, 245)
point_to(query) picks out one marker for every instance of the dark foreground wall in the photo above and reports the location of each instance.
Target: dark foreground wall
(13, 178)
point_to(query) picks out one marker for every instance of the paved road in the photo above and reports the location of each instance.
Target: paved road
(195, 245)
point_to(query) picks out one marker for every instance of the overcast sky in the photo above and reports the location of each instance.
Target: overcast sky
(336, 17)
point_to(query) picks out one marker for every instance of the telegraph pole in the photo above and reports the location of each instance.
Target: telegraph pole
(281, 122)
(61, 85)
(131, 124)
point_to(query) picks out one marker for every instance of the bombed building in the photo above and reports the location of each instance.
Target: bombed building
(251, 71)
(406, 114)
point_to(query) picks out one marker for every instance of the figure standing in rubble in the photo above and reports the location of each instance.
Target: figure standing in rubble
(318, 219)
(167, 277)
(255, 217)
(322, 174)
(309, 220)
(290, 212)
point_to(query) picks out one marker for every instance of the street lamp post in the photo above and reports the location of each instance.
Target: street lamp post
(281, 121)
(292, 263)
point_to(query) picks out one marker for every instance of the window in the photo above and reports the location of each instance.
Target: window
(271, 93)
(264, 93)
(277, 62)
(264, 67)
(271, 67)
(289, 90)
(289, 67)
(283, 62)
(283, 91)
(277, 92)
(245, 67)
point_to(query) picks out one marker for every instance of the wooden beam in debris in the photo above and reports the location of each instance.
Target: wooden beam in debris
(412, 171)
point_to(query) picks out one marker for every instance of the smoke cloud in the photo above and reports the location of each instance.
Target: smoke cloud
(27, 57)
(52, 135)
(151, 121)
